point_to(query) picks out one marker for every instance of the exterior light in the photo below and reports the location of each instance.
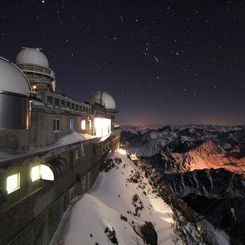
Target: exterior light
(13, 183)
(133, 157)
(34, 87)
(122, 151)
(35, 173)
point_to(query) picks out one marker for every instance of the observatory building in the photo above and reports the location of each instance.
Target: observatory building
(52, 147)
(29, 102)
(35, 66)
(14, 97)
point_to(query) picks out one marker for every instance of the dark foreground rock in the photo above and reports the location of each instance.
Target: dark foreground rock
(149, 233)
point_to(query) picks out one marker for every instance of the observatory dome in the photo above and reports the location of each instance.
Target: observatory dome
(12, 79)
(105, 99)
(32, 56)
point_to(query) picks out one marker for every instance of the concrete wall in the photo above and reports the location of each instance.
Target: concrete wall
(14, 141)
(31, 214)
(42, 132)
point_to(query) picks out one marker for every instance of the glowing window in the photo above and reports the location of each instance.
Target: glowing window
(83, 124)
(122, 151)
(35, 173)
(46, 173)
(41, 172)
(13, 183)
(90, 124)
(102, 126)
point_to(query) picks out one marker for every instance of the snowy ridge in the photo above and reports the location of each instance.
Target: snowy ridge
(120, 203)
(117, 203)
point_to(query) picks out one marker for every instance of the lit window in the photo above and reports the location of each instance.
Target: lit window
(83, 124)
(41, 172)
(90, 124)
(13, 183)
(56, 124)
(46, 173)
(35, 173)
(102, 126)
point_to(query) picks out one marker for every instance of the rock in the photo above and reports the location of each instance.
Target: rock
(124, 218)
(111, 234)
(149, 233)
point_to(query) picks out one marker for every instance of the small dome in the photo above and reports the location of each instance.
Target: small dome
(32, 56)
(12, 79)
(105, 99)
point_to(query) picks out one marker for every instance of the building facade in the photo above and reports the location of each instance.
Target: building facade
(45, 158)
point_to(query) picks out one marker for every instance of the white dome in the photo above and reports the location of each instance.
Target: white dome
(105, 99)
(12, 79)
(32, 56)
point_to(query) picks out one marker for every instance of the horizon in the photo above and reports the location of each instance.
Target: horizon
(163, 62)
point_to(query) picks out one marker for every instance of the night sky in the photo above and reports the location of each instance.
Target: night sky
(164, 62)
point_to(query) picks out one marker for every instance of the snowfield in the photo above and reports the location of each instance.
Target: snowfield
(117, 203)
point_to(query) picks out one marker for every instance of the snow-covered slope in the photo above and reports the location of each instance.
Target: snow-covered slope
(116, 203)
(125, 207)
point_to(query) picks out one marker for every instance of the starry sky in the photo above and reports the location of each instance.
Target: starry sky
(164, 62)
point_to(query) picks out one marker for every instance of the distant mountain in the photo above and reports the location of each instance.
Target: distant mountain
(188, 148)
(203, 165)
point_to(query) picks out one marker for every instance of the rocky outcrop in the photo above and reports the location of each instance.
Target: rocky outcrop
(217, 195)
(149, 233)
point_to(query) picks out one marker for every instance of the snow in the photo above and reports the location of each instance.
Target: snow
(111, 197)
(71, 138)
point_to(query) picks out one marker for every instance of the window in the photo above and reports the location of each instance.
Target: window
(72, 124)
(36, 173)
(46, 173)
(102, 126)
(90, 124)
(56, 124)
(41, 172)
(83, 124)
(13, 183)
